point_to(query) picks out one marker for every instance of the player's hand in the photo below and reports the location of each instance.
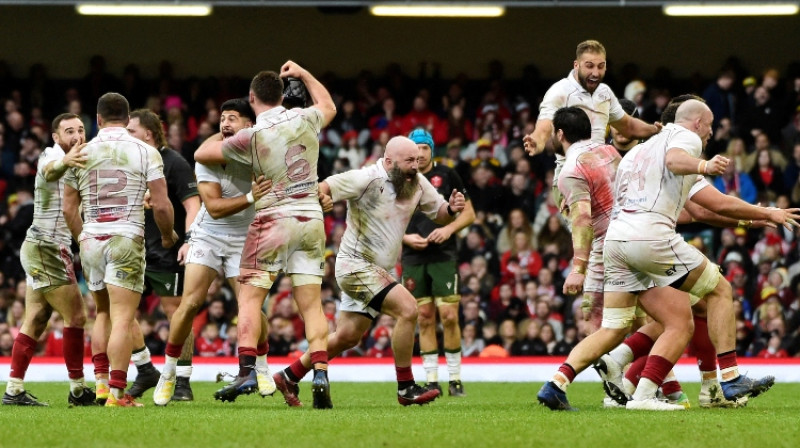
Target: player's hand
(261, 187)
(146, 200)
(74, 158)
(325, 201)
(415, 241)
(530, 145)
(785, 217)
(440, 235)
(574, 283)
(457, 201)
(182, 253)
(291, 70)
(658, 126)
(717, 165)
(169, 241)
(761, 223)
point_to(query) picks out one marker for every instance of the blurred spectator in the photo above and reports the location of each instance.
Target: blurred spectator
(209, 344)
(736, 183)
(555, 232)
(529, 343)
(720, 98)
(565, 345)
(6, 343)
(520, 262)
(382, 346)
(517, 221)
(767, 177)
(773, 349)
(471, 344)
(54, 345)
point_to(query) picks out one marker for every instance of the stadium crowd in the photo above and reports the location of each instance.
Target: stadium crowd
(511, 261)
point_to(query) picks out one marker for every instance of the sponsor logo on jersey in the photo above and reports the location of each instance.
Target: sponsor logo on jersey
(437, 181)
(616, 282)
(671, 271)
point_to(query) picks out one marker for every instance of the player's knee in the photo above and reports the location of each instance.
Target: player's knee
(708, 281)
(350, 338)
(77, 320)
(426, 316)
(618, 318)
(408, 312)
(449, 316)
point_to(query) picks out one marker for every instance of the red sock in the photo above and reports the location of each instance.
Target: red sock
(101, 363)
(319, 357)
(262, 348)
(247, 360)
(568, 371)
(727, 360)
(118, 379)
(656, 369)
(73, 352)
(634, 373)
(670, 387)
(640, 344)
(21, 355)
(296, 370)
(404, 374)
(702, 346)
(174, 350)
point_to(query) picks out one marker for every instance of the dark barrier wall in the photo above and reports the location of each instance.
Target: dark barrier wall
(243, 40)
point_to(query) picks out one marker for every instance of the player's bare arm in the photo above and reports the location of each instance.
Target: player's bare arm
(536, 141)
(219, 207)
(635, 128)
(462, 220)
(733, 207)
(319, 94)
(210, 151)
(72, 215)
(162, 212)
(580, 215)
(72, 159)
(681, 163)
(448, 211)
(192, 206)
(693, 212)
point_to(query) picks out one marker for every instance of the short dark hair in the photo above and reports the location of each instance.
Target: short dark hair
(113, 107)
(61, 117)
(629, 107)
(589, 46)
(239, 105)
(574, 122)
(668, 116)
(152, 122)
(268, 87)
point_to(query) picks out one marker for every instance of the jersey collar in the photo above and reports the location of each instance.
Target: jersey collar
(575, 82)
(270, 113)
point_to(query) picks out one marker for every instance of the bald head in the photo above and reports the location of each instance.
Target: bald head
(691, 110)
(401, 161)
(400, 146)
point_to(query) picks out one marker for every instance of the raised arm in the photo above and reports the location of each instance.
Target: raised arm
(448, 211)
(635, 128)
(210, 152)
(682, 163)
(735, 208)
(319, 94)
(55, 169)
(536, 141)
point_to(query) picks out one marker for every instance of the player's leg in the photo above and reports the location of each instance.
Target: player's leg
(101, 331)
(671, 309)
(37, 313)
(611, 365)
(183, 390)
(417, 281)
(67, 301)
(444, 286)
(198, 280)
(306, 294)
(706, 281)
(123, 303)
(400, 304)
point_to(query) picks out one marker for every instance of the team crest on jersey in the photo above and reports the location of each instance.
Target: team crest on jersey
(410, 284)
(436, 181)
(198, 253)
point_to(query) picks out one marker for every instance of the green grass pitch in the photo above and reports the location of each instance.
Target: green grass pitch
(493, 415)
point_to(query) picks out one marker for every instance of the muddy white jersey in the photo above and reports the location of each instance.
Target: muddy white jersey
(602, 106)
(648, 196)
(376, 219)
(48, 214)
(234, 180)
(113, 183)
(282, 146)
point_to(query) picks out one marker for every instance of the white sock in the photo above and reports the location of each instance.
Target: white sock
(261, 362)
(100, 381)
(706, 383)
(561, 381)
(15, 386)
(731, 373)
(430, 362)
(141, 358)
(117, 393)
(453, 364)
(76, 386)
(623, 354)
(645, 390)
(170, 365)
(184, 371)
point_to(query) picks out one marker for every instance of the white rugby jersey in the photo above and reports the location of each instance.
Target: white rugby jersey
(235, 180)
(282, 146)
(48, 213)
(376, 220)
(113, 183)
(648, 196)
(602, 106)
